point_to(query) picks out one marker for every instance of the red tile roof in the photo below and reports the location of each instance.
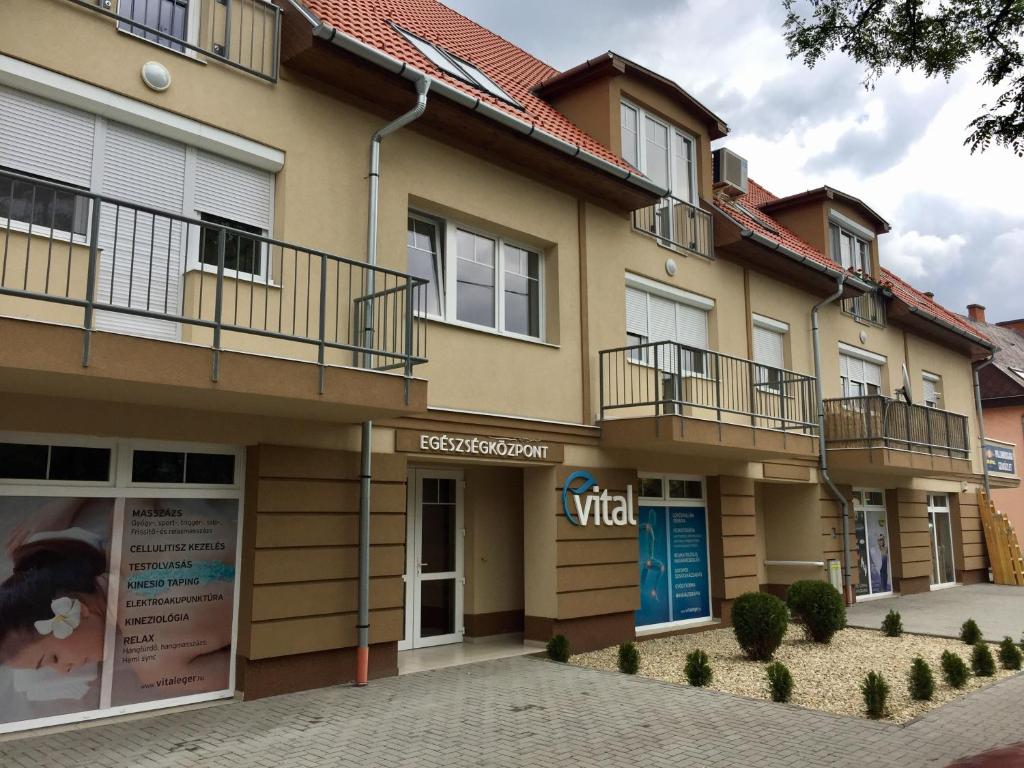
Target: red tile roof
(515, 70)
(759, 221)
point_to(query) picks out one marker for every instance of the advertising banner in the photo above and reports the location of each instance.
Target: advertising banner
(674, 577)
(999, 458)
(109, 603)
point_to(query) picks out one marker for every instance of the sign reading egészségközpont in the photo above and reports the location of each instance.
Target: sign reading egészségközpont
(478, 446)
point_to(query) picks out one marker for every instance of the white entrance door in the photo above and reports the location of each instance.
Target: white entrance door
(941, 528)
(872, 543)
(434, 554)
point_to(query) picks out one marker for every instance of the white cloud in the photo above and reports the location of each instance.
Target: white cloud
(913, 255)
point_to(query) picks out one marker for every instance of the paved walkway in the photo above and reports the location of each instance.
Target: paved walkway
(527, 712)
(999, 611)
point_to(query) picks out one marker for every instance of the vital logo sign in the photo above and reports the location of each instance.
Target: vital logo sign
(583, 501)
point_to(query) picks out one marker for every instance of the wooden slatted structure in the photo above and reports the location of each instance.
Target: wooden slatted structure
(1004, 551)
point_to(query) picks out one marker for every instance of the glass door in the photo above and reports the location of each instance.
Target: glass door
(872, 543)
(434, 559)
(941, 529)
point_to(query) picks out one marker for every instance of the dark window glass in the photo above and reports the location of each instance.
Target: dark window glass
(42, 206)
(158, 467)
(651, 487)
(169, 16)
(77, 463)
(241, 253)
(685, 489)
(210, 468)
(19, 461)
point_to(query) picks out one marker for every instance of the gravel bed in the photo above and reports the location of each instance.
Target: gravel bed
(826, 677)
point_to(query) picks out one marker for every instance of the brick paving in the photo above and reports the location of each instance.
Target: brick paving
(526, 712)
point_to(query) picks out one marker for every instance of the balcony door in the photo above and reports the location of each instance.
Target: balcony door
(434, 559)
(872, 530)
(941, 529)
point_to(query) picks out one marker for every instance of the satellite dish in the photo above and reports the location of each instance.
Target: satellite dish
(905, 390)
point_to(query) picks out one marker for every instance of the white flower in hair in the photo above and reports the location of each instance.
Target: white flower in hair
(67, 615)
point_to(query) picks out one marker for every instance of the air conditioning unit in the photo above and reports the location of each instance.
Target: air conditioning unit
(730, 172)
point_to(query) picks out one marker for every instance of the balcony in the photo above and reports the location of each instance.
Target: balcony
(677, 225)
(156, 299)
(666, 396)
(880, 433)
(244, 34)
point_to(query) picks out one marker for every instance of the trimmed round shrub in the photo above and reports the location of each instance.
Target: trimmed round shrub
(819, 606)
(759, 621)
(892, 624)
(780, 681)
(698, 670)
(921, 682)
(876, 693)
(970, 633)
(982, 661)
(1009, 654)
(954, 670)
(629, 658)
(558, 649)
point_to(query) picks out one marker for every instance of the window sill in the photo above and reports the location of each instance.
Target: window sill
(230, 274)
(57, 235)
(488, 331)
(187, 54)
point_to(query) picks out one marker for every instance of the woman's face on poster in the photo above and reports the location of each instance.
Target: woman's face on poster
(83, 646)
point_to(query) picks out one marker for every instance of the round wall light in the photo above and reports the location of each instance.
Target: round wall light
(863, 337)
(156, 76)
(670, 267)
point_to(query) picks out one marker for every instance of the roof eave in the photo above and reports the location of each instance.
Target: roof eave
(353, 45)
(983, 343)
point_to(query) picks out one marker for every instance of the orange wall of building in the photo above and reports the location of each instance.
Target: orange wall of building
(1006, 424)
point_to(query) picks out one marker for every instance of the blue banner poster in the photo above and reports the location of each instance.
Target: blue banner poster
(688, 543)
(673, 565)
(654, 588)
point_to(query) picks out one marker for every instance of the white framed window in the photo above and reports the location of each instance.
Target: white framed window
(860, 373)
(769, 342)
(663, 152)
(659, 313)
(849, 250)
(477, 279)
(931, 386)
(40, 208)
(458, 68)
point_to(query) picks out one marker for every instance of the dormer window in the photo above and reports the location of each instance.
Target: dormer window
(458, 68)
(849, 250)
(663, 152)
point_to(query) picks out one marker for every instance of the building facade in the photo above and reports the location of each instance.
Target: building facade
(584, 353)
(1001, 385)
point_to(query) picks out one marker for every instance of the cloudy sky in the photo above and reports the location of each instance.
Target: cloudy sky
(958, 219)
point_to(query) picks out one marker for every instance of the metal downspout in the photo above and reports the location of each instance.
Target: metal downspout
(981, 422)
(822, 448)
(366, 458)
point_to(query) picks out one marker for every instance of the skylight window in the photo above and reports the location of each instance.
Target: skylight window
(451, 64)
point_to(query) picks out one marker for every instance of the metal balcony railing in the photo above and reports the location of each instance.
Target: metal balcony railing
(198, 280)
(876, 421)
(245, 34)
(677, 224)
(667, 377)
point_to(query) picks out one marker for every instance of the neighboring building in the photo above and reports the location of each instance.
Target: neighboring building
(1002, 401)
(568, 293)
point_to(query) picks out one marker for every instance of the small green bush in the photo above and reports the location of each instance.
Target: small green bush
(558, 649)
(921, 681)
(697, 669)
(969, 632)
(892, 624)
(759, 621)
(954, 670)
(982, 661)
(819, 606)
(629, 658)
(780, 681)
(876, 694)
(1009, 654)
